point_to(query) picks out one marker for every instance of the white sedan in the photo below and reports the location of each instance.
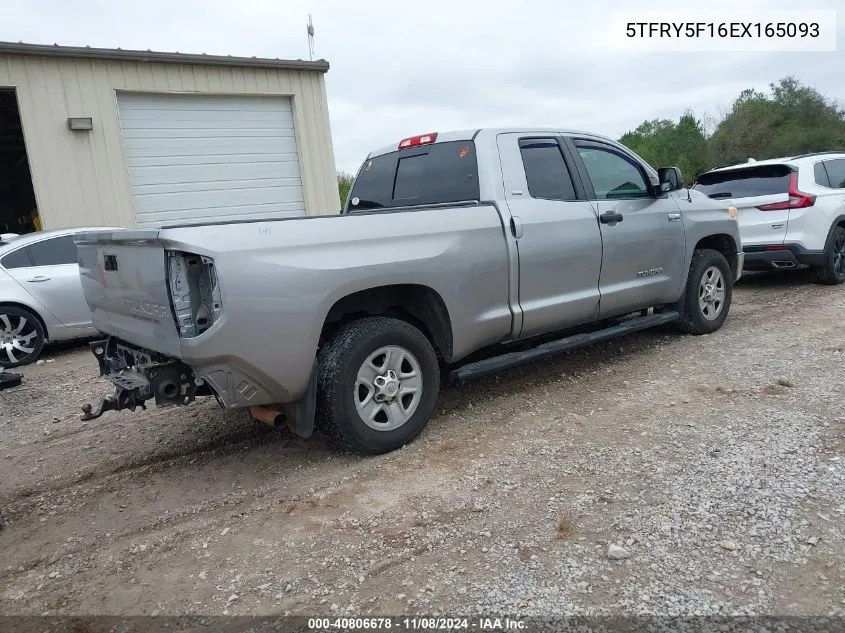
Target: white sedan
(41, 296)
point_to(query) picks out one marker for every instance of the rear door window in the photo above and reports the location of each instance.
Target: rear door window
(545, 169)
(54, 252)
(820, 175)
(433, 174)
(747, 182)
(836, 172)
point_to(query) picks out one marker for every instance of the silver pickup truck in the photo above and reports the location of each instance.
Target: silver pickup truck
(457, 255)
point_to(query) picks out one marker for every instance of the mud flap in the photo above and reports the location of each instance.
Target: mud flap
(301, 414)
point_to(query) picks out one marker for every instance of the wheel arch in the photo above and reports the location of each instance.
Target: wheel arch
(839, 221)
(723, 243)
(417, 304)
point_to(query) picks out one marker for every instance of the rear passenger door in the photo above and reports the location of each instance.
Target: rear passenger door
(557, 234)
(642, 231)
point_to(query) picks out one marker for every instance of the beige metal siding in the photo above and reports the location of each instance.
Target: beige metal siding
(81, 178)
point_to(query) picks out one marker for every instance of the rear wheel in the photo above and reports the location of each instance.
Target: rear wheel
(708, 295)
(377, 384)
(21, 336)
(832, 272)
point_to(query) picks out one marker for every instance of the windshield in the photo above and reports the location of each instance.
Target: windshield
(433, 174)
(747, 182)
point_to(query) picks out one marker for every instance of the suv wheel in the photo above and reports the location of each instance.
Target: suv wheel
(707, 299)
(21, 337)
(377, 384)
(832, 272)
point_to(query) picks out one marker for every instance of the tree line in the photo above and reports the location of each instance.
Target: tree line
(790, 118)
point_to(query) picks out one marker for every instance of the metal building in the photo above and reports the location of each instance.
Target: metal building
(101, 137)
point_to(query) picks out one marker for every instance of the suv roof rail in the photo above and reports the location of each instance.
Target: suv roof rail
(807, 155)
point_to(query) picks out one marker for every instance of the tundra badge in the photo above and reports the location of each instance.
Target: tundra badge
(650, 272)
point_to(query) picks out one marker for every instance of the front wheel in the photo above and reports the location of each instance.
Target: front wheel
(707, 299)
(832, 272)
(377, 384)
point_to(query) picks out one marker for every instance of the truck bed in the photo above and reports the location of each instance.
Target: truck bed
(297, 267)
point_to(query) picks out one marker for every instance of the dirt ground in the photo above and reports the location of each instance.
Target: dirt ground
(656, 474)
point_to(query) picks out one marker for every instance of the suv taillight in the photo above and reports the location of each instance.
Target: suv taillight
(797, 199)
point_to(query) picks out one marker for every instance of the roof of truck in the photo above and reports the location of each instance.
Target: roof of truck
(468, 135)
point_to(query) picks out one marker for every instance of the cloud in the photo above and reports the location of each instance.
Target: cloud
(401, 68)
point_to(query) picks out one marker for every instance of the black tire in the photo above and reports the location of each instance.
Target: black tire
(832, 272)
(338, 364)
(694, 320)
(31, 336)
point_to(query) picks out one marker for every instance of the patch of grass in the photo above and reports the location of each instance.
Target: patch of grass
(565, 527)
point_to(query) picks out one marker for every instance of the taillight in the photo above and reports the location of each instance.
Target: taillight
(797, 199)
(414, 141)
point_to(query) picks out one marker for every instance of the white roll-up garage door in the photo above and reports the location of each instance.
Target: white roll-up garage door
(202, 158)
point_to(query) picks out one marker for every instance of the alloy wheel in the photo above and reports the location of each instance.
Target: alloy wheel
(18, 338)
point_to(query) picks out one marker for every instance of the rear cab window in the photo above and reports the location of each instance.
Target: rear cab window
(432, 174)
(746, 182)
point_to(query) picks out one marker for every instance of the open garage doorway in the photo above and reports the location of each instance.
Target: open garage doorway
(18, 210)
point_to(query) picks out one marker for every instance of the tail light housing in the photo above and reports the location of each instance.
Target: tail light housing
(416, 141)
(797, 199)
(194, 292)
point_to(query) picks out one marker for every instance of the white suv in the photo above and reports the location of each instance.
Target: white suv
(791, 211)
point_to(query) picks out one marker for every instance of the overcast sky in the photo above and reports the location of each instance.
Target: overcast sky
(402, 68)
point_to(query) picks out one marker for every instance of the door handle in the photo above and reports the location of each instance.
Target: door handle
(38, 279)
(516, 227)
(674, 217)
(610, 217)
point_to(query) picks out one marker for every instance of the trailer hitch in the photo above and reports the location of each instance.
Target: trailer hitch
(122, 399)
(139, 375)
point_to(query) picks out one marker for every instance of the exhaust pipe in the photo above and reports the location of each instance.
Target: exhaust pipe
(268, 416)
(783, 264)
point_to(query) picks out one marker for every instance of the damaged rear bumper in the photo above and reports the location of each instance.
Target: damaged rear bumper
(139, 375)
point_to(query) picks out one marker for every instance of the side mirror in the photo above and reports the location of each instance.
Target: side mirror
(670, 179)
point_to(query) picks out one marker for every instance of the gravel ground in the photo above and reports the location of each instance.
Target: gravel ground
(658, 474)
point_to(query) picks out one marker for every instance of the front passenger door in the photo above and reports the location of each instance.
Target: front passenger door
(643, 243)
